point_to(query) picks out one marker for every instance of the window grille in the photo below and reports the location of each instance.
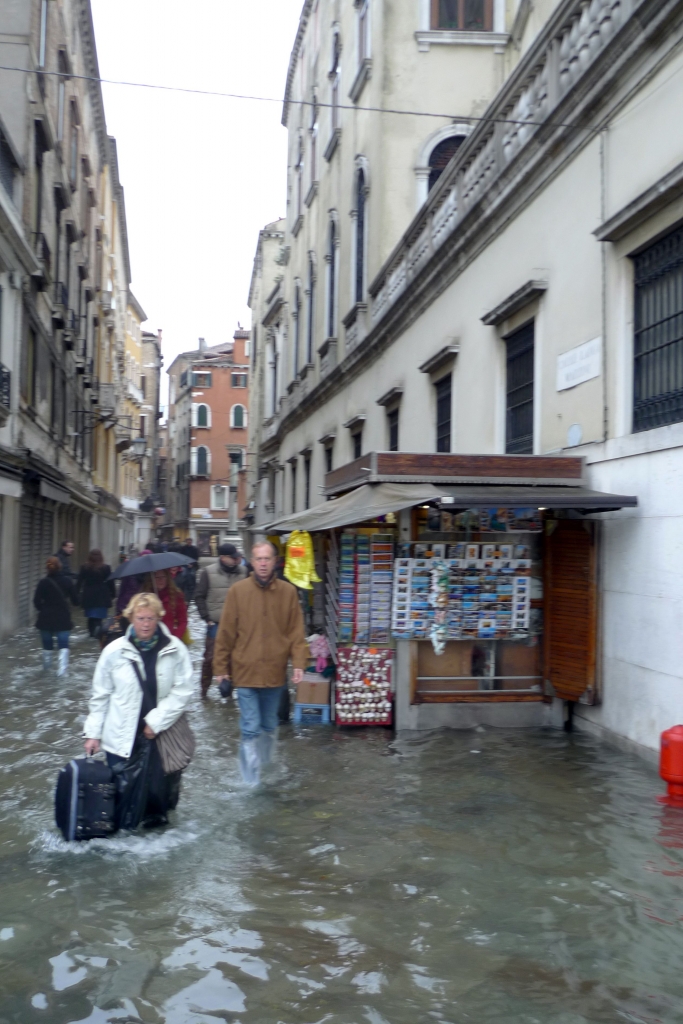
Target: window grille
(443, 414)
(392, 423)
(441, 155)
(360, 235)
(658, 335)
(519, 438)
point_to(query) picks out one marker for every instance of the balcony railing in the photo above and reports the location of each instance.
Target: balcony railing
(42, 251)
(5, 387)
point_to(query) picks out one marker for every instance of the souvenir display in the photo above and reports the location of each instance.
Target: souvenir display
(382, 573)
(362, 630)
(300, 560)
(487, 520)
(453, 599)
(347, 588)
(363, 688)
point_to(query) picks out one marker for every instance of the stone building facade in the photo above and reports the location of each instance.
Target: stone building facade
(547, 257)
(64, 282)
(208, 424)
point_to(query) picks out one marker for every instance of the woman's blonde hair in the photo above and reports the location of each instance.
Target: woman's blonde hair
(144, 601)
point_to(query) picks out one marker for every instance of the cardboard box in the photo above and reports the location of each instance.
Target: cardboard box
(313, 689)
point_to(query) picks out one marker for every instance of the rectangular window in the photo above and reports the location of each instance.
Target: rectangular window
(143, 385)
(443, 414)
(658, 334)
(219, 498)
(293, 464)
(364, 31)
(462, 15)
(307, 483)
(328, 458)
(28, 377)
(238, 380)
(201, 380)
(392, 424)
(357, 443)
(42, 39)
(143, 425)
(519, 430)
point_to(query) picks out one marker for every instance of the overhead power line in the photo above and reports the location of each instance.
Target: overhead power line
(302, 103)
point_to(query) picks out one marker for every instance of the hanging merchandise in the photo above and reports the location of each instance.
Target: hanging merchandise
(299, 560)
(438, 633)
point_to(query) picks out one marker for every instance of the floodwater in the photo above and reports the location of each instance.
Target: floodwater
(485, 876)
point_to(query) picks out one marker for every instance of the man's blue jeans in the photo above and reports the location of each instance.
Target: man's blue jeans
(258, 709)
(47, 638)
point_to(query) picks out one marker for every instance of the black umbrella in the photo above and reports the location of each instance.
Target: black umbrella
(150, 563)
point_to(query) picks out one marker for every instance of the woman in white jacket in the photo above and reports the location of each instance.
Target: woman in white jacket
(142, 685)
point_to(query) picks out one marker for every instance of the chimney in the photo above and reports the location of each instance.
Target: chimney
(202, 344)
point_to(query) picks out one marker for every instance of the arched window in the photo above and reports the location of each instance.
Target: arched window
(310, 326)
(332, 279)
(359, 284)
(238, 417)
(441, 155)
(203, 461)
(201, 415)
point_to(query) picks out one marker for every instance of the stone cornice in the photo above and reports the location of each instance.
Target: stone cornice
(293, 57)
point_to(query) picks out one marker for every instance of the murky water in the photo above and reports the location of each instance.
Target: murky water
(482, 876)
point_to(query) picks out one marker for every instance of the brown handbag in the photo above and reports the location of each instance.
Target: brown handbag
(177, 744)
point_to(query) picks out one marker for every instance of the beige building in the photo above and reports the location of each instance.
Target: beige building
(64, 280)
(532, 305)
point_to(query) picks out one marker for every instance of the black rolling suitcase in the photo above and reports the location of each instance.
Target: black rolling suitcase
(85, 800)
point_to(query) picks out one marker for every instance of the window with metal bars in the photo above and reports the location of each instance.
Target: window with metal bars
(519, 432)
(658, 334)
(443, 414)
(392, 424)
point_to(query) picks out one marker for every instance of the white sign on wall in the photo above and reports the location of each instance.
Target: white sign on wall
(579, 364)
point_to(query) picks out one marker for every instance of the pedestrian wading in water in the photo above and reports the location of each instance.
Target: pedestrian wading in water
(142, 686)
(260, 630)
(95, 591)
(51, 601)
(175, 609)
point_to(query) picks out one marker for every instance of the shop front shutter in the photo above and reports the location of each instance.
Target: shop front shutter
(25, 544)
(570, 608)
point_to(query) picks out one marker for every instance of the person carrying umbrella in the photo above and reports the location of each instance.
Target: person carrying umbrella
(153, 567)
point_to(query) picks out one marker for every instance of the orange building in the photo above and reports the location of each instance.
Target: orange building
(207, 442)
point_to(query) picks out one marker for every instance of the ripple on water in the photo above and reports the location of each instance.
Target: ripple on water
(152, 846)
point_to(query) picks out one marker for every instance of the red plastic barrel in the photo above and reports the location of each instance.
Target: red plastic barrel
(671, 762)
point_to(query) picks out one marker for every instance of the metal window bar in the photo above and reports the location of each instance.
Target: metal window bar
(443, 414)
(658, 334)
(5, 387)
(519, 437)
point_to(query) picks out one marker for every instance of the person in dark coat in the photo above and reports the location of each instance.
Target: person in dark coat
(66, 550)
(51, 601)
(95, 590)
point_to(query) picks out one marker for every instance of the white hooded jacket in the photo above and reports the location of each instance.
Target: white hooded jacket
(117, 696)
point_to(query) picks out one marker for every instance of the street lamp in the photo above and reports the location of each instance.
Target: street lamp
(139, 446)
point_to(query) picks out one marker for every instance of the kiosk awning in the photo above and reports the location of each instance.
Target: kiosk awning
(372, 500)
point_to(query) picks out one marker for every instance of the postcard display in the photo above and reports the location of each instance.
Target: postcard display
(467, 590)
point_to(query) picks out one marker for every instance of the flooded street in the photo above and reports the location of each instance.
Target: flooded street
(476, 876)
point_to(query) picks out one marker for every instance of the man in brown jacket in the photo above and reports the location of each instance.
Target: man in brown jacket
(260, 630)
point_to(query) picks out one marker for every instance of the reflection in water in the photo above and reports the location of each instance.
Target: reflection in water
(507, 876)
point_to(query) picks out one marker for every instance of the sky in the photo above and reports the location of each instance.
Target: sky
(201, 174)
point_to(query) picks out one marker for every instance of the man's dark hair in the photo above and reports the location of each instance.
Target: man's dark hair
(65, 542)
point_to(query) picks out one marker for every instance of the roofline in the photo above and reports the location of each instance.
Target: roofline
(117, 189)
(294, 56)
(132, 301)
(271, 232)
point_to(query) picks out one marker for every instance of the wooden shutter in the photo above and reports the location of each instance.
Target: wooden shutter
(570, 607)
